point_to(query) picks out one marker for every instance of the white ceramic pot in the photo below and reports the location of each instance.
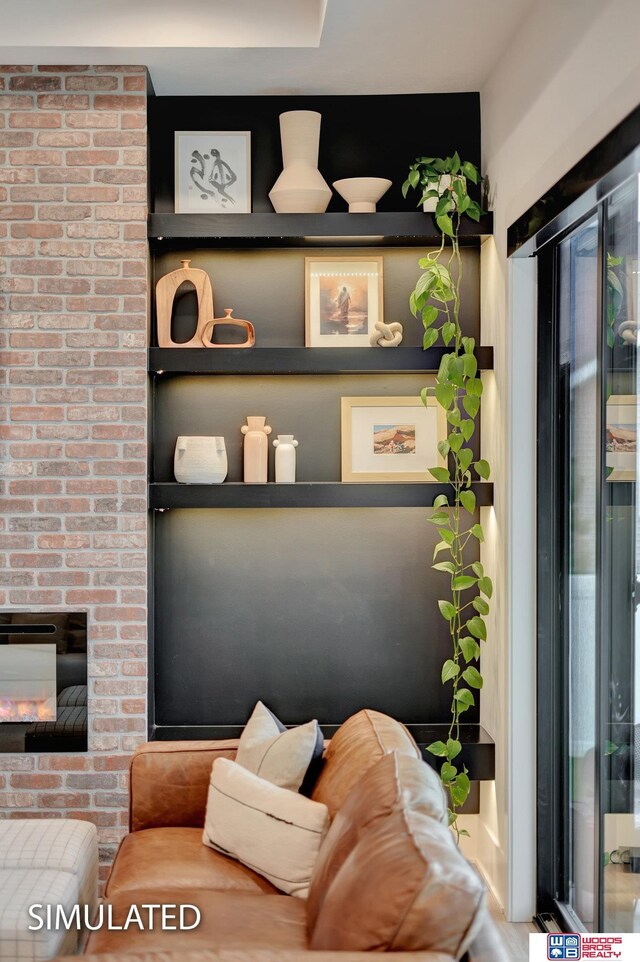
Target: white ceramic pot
(445, 181)
(200, 460)
(285, 446)
(300, 188)
(362, 193)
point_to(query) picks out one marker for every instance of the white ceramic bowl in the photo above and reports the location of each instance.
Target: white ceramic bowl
(362, 193)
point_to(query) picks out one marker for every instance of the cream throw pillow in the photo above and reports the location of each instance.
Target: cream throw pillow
(271, 830)
(281, 755)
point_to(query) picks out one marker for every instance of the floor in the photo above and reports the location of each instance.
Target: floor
(514, 934)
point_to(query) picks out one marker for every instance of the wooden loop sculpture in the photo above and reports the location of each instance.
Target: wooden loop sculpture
(210, 326)
(166, 289)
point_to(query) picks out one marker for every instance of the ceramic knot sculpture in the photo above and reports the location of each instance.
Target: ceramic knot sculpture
(200, 460)
(300, 188)
(285, 445)
(386, 335)
(256, 450)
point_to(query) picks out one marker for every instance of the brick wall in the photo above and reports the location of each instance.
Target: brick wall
(73, 302)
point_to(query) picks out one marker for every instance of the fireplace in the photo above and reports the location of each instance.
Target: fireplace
(28, 683)
(43, 681)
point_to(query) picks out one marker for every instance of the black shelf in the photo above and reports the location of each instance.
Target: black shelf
(303, 360)
(478, 748)
(305, 494)
(401, 229)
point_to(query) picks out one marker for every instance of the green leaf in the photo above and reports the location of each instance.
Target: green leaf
(447, 610)
(443, 448)
(449, 670)
(477, 532)
(477, 627)
(447, 536)
(429, 315)
(443, 205)
(437, 748)
(424, 394)
(469, 344)
(445, 224)
(414, 177)
(478, 569)
(441, 546)
(448, 332)
(448, 771)
(459, 792)
(464, 832)
(455, 441)
(474, 387)
(429, 338)
(486, 586)
(445, 566)
(453, 748)
(440, 474)
(470, 649)
(465, 456)
(441, 501)
(483, 469)
(453, 417)
(463, 582)
(464, 203)
(468, 501)
(455, 163)
(444, 395)
(470, 172)
(480, 605)
(471, 405)
(464, 697)
(467, 427)
(472, 677)
(470, 365)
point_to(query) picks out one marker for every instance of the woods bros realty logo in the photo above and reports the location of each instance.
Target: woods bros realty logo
(572, 946)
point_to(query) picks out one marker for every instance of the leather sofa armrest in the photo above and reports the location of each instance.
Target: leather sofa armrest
(169, 782)
(258, 955)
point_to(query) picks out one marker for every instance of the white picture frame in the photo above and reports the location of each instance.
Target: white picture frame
(343, 300)
(387, 439)
(621, 437)
(213, 171)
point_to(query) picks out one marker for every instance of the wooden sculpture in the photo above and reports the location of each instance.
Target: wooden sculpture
(165, 295)
(207, 339)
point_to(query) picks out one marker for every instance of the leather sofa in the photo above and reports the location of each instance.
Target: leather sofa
(244, 918)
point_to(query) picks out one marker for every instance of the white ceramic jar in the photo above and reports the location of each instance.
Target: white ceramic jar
(285, 446)
(200, 460)
(256, 450)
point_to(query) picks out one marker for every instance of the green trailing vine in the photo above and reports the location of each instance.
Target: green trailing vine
(458, 390)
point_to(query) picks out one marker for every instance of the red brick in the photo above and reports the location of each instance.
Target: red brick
(36, 486)
(91, 596)
(30, 192)
(64, 800)
(91, 157)
(88, 195)
(39, 158)
(34, 780)
(39, 560)
(17, 248)
(20, 175)
(65, 248)
(63, 285)
(119, 138)
(16, 285)
(91, 83)
(89, 119)
(16, 102)
(63, 175)
(63, 102)
(136, 158)
(66, 68)
(89, 559)
(63, 505)
(35, 596)
(16, 138)
(64, 542)
(38, 265)
(35, 83)
(63, 578)
(36, 413)
(92, 303)
(34, 119)
(35, 340)
(120, 175)
(93, 267)
(36, 230)
(120, 286)
(120, 212)
(134, 121)
(8, 358)
(118, 101)
(135, 83)
(64, 138)
(17, 212)
(35, 302)
(63, 763)
(64, 212)
(93, 230)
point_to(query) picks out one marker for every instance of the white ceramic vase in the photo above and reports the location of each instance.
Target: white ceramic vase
(362, 193)
(200, 460)
(445, 181)
(256, 450)
(300, 188)
(285, 446)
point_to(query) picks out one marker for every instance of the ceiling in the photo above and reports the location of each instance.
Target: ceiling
(207, 47)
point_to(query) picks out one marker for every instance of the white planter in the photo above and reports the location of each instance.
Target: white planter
(430, 205)
(200, 460)
(362, 193)
(300, 188)
(285, 446)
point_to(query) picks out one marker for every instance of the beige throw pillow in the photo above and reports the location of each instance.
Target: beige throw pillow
(278, 754)
(271, 830)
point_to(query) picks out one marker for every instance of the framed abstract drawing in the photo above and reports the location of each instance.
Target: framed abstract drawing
(391, 438)
(213, 172)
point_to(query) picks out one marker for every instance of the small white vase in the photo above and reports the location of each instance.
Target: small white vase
(362, 193)
(285, 446)
(200, 460)
(445, 181)
(300, 188)
(256, 450)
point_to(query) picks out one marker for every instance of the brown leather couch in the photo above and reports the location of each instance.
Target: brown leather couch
(379, 797)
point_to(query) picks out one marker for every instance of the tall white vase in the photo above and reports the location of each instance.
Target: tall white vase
(256, 450)
(285, 446)
(200, 460)
(300, 188)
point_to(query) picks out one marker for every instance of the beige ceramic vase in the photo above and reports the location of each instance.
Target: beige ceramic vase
(256, 450)
(300, 188)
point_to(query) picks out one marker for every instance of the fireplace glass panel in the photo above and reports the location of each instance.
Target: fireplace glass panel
(27, 683)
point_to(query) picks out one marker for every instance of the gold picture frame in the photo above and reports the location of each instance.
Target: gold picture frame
(343, 300)
(380, 433)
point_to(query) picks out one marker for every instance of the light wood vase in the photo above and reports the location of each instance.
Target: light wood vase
(300, 188)
(256, 450)
(166, 289)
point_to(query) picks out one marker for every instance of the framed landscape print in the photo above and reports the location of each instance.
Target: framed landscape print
(343, 300)
(213, 172)
(622, 433)
(391, 438)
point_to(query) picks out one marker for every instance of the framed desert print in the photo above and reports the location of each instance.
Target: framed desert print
(391, 438)
(622, 433)
(213, 172)
(343, 300)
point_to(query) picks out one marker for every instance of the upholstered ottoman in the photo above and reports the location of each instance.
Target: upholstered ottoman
(44, 862)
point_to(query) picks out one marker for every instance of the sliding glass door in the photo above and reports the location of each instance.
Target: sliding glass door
(588, 529)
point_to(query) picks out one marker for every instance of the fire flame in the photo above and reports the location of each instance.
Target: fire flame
(26, 711)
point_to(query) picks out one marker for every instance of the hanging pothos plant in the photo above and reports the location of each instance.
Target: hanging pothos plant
(458, 390)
